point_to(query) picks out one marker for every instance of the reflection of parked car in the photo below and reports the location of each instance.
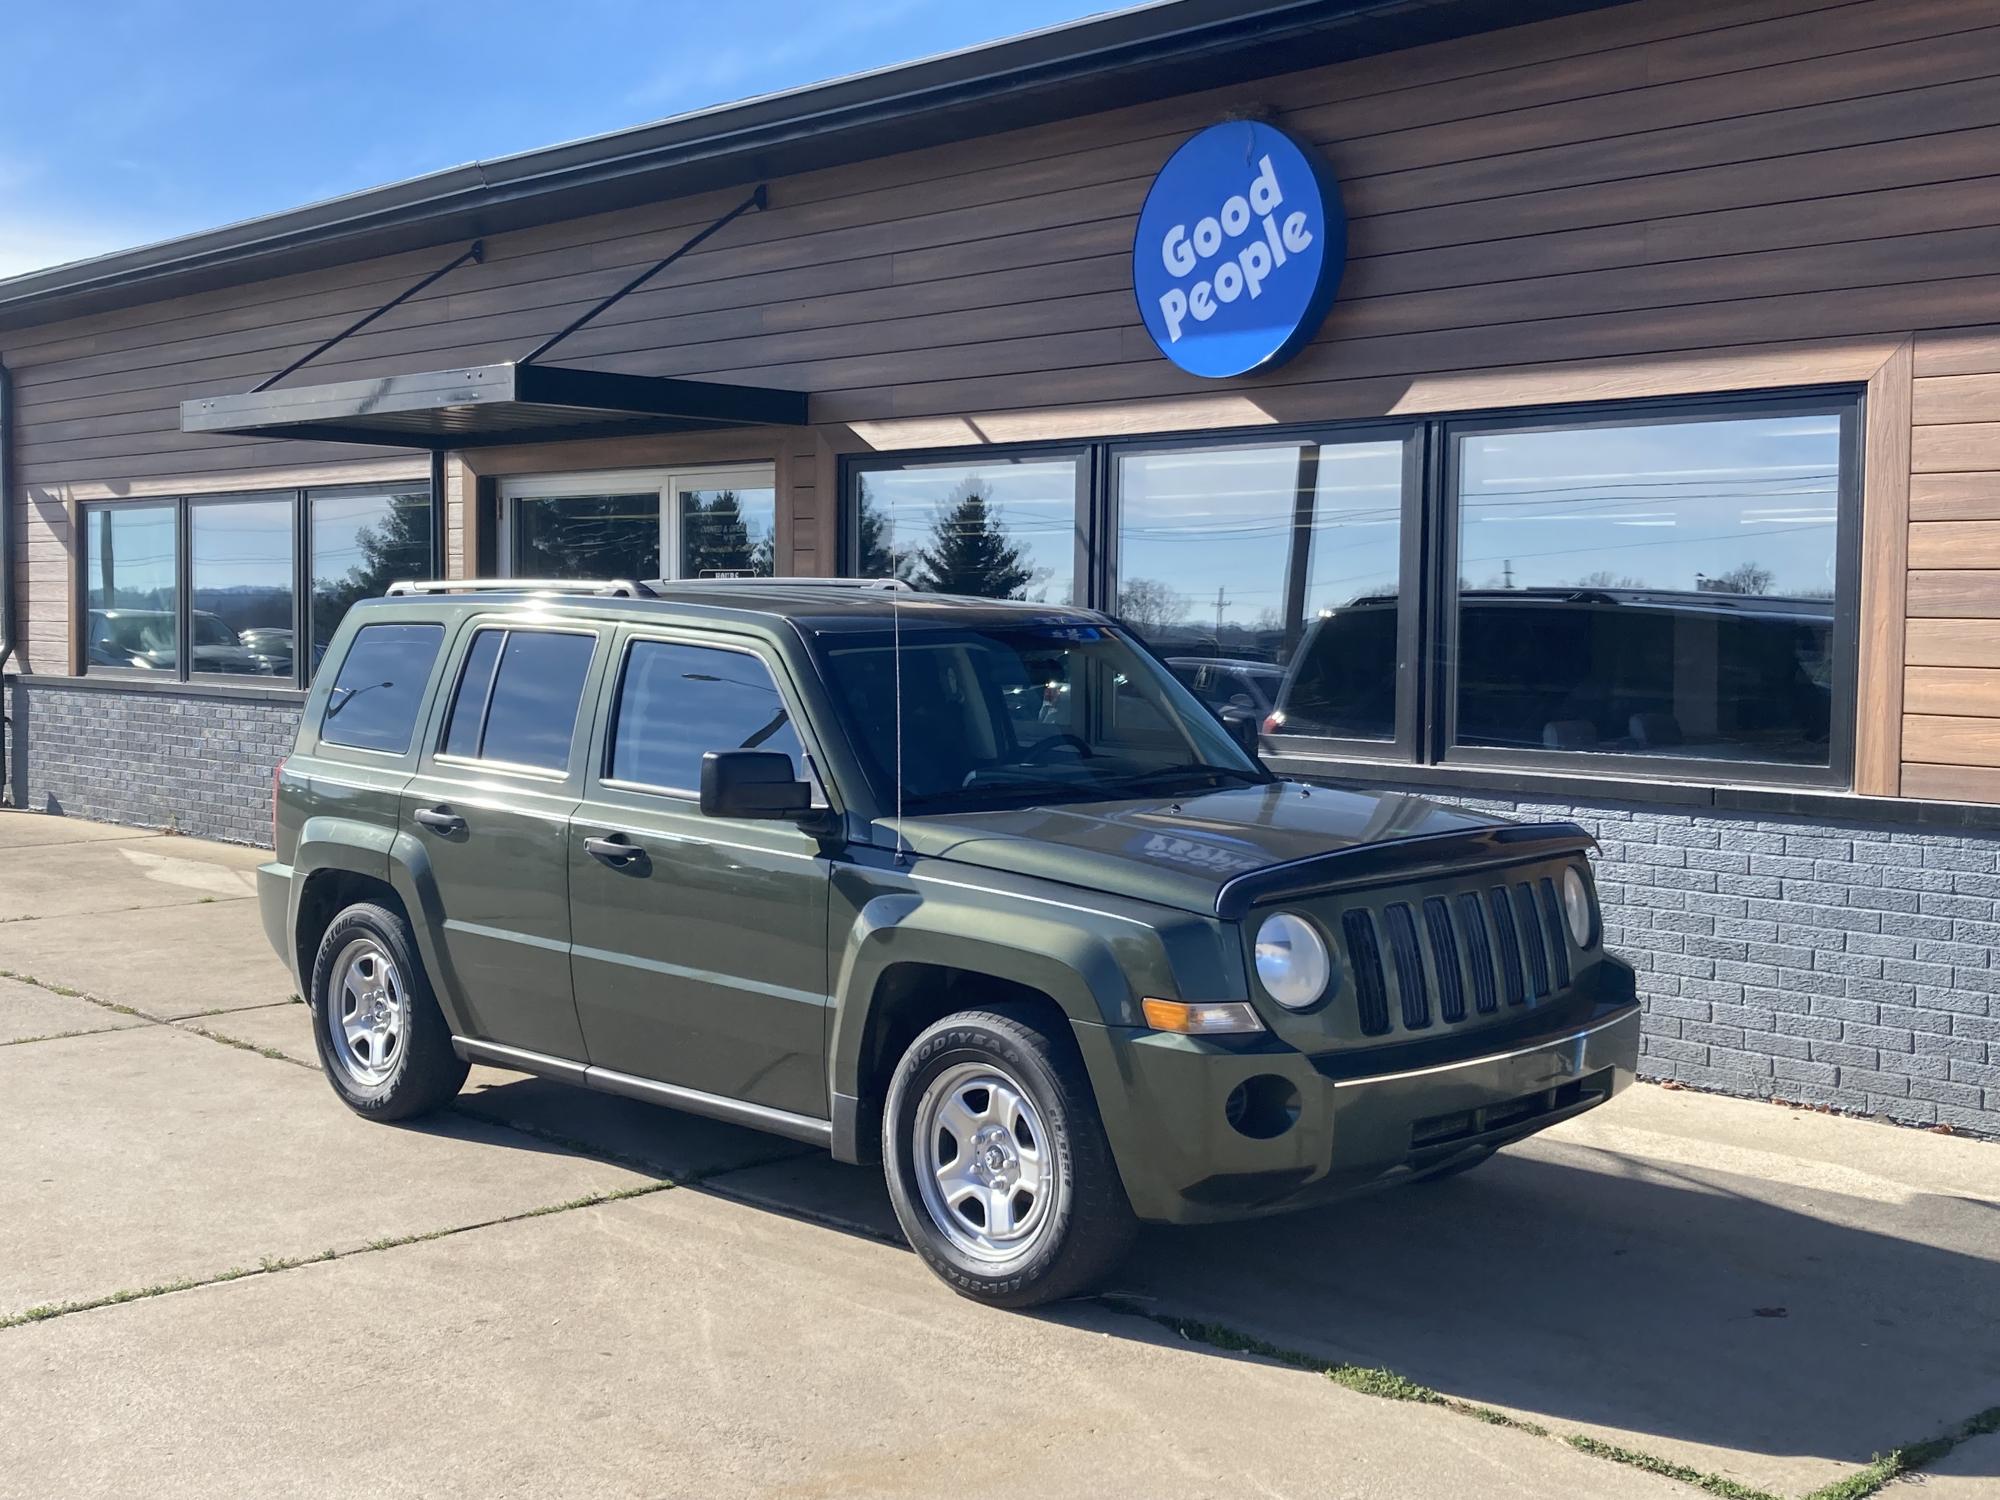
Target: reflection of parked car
(1222, 682)
(1621, 671)
(271, 647)
(144, 638)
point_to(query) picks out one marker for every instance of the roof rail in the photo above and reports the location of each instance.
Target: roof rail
(896, 585)
(622, 588)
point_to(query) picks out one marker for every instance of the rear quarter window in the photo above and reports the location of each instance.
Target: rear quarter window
(375, 699)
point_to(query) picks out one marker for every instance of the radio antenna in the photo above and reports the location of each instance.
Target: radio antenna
(896, 655)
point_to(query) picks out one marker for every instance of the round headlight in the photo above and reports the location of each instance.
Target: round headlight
(1576, 907)
(1291, 960)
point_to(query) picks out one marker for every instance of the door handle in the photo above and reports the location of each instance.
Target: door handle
(613, 851)
(442, 819)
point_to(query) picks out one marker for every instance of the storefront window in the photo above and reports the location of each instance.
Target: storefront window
(240, 578)
(1663, 589)
(1000, 529)
(1269, 576)
(588, 536)
(727, 531)
(361, 543)
(131, 592)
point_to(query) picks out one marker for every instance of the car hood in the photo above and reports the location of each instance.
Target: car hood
(1181, 851)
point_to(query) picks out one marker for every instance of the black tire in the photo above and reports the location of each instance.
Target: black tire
(1453, 1168)
(422, 1072)
(1088, 1225)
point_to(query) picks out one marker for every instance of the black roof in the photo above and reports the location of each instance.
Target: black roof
(1102, 62)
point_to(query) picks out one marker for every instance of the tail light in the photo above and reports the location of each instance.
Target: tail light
(1274, 723)
(277, 774)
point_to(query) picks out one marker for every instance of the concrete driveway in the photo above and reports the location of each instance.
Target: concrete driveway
(215, 1281)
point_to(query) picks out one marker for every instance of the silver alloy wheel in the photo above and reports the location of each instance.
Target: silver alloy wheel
(984, 1163)
(370, 1012)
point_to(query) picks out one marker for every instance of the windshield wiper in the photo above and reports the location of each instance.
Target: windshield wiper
(1192, 768)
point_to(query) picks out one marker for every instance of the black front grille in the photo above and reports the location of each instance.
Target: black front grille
(1468, 955)
(1416, 995)
(1444, 949)
(1371, 991)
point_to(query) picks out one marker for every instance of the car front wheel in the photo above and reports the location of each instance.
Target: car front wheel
(997, 1162)
(383, 1043)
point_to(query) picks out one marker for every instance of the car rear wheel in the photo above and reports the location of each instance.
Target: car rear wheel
(997, 1162)
(383, 1042)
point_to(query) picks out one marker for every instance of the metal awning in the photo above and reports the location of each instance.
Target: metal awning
(519, 401)
(486, 404)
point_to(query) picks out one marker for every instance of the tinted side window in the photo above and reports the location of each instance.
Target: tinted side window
(536, 683)
(675, 703)
(475, 685)
(375, 698)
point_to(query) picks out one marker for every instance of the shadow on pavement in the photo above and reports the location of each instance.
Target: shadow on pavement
(1686, 1309)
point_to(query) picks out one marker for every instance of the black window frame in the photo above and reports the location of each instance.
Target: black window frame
(183, 506)
(1441, 572)
(1427, 596)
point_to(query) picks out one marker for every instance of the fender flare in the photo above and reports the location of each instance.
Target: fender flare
(1070, 962)
(398, 860)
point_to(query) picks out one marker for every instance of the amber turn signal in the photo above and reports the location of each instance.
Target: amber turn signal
(1201, 1017)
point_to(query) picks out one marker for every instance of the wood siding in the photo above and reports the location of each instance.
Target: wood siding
(1673, 196)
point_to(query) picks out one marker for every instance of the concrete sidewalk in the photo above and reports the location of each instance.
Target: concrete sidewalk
(548, 1292)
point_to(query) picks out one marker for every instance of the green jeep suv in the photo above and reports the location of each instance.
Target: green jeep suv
(977, 889)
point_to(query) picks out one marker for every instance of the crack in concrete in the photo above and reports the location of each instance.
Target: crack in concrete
(273, 1265)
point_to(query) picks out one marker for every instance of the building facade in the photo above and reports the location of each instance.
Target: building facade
(1645, 469)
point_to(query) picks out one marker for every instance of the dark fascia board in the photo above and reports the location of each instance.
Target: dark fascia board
(1105, 62)
(484, 404)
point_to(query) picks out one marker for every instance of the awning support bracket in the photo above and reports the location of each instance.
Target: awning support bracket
(755, 201)
(475, 252)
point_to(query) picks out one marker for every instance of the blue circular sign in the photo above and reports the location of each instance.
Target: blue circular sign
(1239, 250)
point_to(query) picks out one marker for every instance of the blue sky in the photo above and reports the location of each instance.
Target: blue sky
(127, 121)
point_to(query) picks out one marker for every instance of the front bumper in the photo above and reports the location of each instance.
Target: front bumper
(1312, 1138)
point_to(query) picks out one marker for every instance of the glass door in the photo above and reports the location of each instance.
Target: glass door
(655, 523)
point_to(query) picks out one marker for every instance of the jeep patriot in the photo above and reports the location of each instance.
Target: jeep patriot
(976, 889)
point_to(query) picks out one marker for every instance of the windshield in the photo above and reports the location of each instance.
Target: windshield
(1013, 715)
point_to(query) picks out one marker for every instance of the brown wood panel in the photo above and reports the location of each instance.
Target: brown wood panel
(1952, 783)
(1955, 544)
(1956, 594)
(1955, 497)
(1942, 399)
(1956, 447)
(1959, 351)
(1940, 739)
(1885, 487)
(1952, 643)
(1972, 692)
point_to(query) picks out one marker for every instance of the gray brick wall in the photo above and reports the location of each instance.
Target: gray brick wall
(1819, 962)
(198, 763)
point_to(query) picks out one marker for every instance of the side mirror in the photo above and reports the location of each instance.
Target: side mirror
(1242, 722)
(752, 784)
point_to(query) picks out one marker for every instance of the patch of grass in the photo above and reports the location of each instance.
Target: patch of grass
(1893, 1465)
(69, 994)
(1714, 1484)
(242, 1046)
(1367, 1380)
(272, 1264)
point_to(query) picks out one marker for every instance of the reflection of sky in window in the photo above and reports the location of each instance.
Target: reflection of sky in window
(242, 545)
(141, 553)
(1034, 502)
(1657, 507)
(1214, 528)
